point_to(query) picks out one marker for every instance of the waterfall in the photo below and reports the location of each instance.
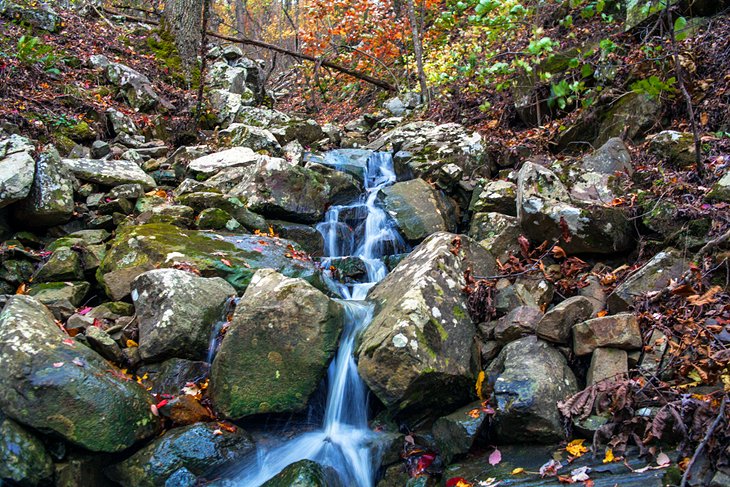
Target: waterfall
(344, 442)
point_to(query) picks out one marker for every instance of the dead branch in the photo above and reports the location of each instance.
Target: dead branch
(703, 443)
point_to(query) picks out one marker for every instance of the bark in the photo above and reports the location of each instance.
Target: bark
(418, 51)
(183, 18)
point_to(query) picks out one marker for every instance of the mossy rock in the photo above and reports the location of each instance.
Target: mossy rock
(304, 473)
(79, 132)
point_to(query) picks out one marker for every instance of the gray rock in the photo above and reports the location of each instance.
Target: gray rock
(41, 16)
(100, 149)
(418, 209)
(457, 433)
(50, 200)
(170, 376)
(607, 363)
(495, 197)
(176, 311)
(52, 292)
(229, 78)
(305, 473)
(109, 172)
(517, 323)
(421, 338)
(305, 235)
(17, 169)
(24, 460)
(192, 452)
(611, 157)
(557, 323)
(213, 163)
(674, 148)
(63, 265)
(254, 138)
(721, 189)
(120, 123)
(135, 87)
(100, 341)
(306, 132)
(654, 351)
(617, 331)
(497, 233)
(530, 378)
(55, 384)
(226, 107)
(655, 275)
(126, 191)
(283, 330)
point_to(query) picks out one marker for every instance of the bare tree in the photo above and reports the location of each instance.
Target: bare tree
(418, 51)
(184, 18)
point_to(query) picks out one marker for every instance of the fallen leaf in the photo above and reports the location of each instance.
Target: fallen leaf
(580, 474)
(458, 482)
(78, 361)
(131, 343)
(478, 387)
(217, 432)
(518, 471)
(707, 298)
(154, 410)
(609, 456)
(663, 459)
(58, 364)
(495, 457)
(559, 253)
(576, 448)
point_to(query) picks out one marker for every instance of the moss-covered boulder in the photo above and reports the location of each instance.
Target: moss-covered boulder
(283, 334)
(63, 265)
(304, 473)
(216, 219)
(55, 384)
(24, 460)
(421, 338)
(674, 148)
(184, 456)
(141, 248)
(721, 189)
(50, 200)
(54, 292)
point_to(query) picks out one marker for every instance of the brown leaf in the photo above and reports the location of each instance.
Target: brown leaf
(565, 230)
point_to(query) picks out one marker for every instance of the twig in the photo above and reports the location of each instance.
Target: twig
(704, 441)
(712, 244)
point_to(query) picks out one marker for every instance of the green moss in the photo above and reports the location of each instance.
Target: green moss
(79, 132)
(458, 313)
(162, 44)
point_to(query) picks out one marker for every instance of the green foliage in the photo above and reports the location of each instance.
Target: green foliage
(680, 25)
(654, 86)
(32, 52)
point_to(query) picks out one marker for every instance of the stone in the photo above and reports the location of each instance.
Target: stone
(534, 291)
(226, 107)
(226, 77)
(284, 332)
(41, 16)
(50, 200)
(457, 433)
(63, 265)
(17, 169)
(126, 191)
(530, 378)
(120, 123)
(201, 450)
(616, 331)
(611, 157)
(53, 292)
(655, 275)
(254, 138)
(343, 188)
(720, 191)
(304, 473)
(629, 118)
(306, 132)
(497, 233)
(595, 293)
(421, 337)
(24, 460)
(140, 248)
(305, 235)
(184, 410)
(81, 470)
(546, 212)
(80, 400)
(654, 350)
(675, 148)
(109, 172)
(418, 209)
(261, 117)
(216, 219)
(213, 163)
(176, 311)
(134, 86)
(170, 376)
(517, 323)
(638, 11)
(100, 341)
(607, 364)
(557, 324)
(100, 149)
(495, 197)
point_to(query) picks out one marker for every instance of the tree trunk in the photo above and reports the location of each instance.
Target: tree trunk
(418, 51)
(183, 18)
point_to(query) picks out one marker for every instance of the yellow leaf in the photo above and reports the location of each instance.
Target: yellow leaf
(576, 448)
(478, 387)
(518, 471)
(609, 456)
(131, 343)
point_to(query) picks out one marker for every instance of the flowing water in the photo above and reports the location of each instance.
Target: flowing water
(344, 442)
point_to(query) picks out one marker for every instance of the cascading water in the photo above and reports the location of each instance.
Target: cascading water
(361, 229)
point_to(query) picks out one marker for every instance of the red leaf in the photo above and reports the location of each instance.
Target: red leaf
(524, 245)
(457, 482)
(424, 462)
(495, 457)
(565, 230)
(85, 310)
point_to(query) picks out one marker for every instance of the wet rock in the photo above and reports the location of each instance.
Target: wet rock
(306, 236)
(103, 344)
(55, 384)
(343, 188)
(495, 197)
(53, 292)
(176, 311)
(497, 233)
(184, 410)
(82, 470)
(198, 451)
(418, 209)
(17, 169)
(530, 378)
(213, 163)
(63, 265)
(50, 200)
(109, 172)
(304, 473)
(652, 276)
(24, 460)
(457, 433)
(421, 338)
(517, 323)
(283, 330)
(557, 323)
(546, 212)
(138, 249)
(607, 363)
(170, 376)
(617, 331)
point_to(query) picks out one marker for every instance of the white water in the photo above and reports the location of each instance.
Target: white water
(344, 441)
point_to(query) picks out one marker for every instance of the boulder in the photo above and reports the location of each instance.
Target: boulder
(194, 453)
(176, 311)
(170, 376)
(261, 117)
(431, 147)
(109, 172)
(53, 383)
(17, 169)
(216, 219)
(616, 331)
(50, 200)
(138, 249)
(418, 209)
(611, 157)
(530, 378)
(495, 197)
(456, 433)
(24, 460)
(52, 292)
(304, 473)
(497, 233)
(120, 123)
(213, 163)
(226, 107)
(306, 236)
(421, 337)
(136, 88)
(674, 148)
(720, 191)
(557, 323)
(637, 11)
(63, 265)
(102, 343)
(344, 188)
(518, 322)
(546, 212)
(254, 138)
(275, 353)
(40, 16)
(229, 78)
(607, 363)
(655, 275)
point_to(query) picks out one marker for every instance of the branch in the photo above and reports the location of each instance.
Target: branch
(712, 244)
(270, 47)
(703, 443)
